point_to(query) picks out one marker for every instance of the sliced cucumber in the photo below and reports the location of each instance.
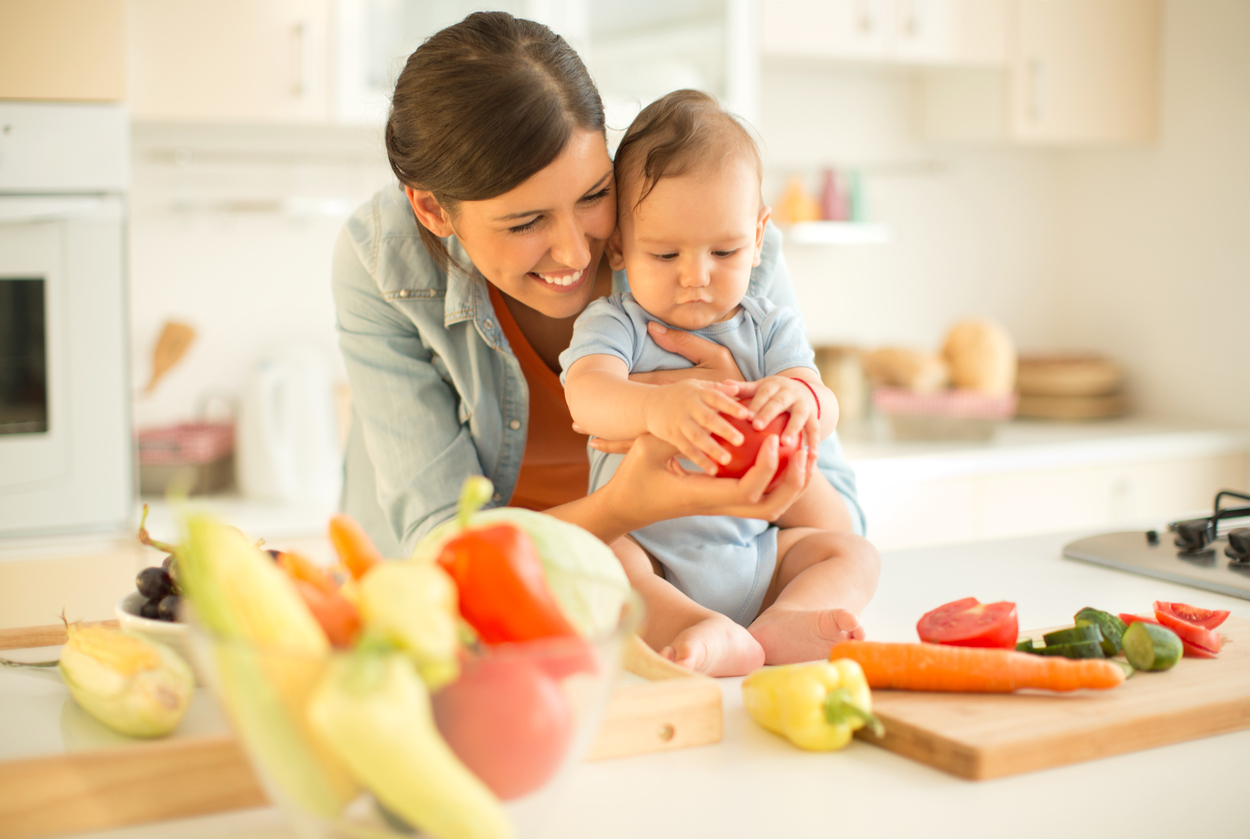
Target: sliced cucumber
(1025, 645)
(1075, 649)
(1151, 647)
(1112, 628)
(1073, 635)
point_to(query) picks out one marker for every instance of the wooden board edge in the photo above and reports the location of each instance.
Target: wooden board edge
(88, 791)
(659, 716)
(907, 741)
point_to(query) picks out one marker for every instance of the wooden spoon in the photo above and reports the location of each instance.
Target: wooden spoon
(175, 339)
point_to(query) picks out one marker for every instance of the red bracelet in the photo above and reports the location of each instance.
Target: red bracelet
(808, 385)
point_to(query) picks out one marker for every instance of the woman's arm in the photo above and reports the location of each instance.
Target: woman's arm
(771, 279)
(418, 451)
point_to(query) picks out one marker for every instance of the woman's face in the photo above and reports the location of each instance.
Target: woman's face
(540, 243)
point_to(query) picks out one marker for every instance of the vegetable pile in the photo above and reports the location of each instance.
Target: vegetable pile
(451, 687)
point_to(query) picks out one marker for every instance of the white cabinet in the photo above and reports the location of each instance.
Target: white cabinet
(1085, 72)
(229, 60)
(956, 32)
(62, 50)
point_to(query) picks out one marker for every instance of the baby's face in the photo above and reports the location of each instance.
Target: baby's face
(688, 249)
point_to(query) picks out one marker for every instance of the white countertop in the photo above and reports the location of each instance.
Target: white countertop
(754, 784)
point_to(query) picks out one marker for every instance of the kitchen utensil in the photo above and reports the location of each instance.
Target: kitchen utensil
(171, 346)
(988, 736)
(286, 443)
(1202, 553)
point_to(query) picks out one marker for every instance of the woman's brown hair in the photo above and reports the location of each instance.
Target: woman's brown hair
(481, 106)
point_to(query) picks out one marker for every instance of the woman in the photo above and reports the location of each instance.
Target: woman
(456, 290)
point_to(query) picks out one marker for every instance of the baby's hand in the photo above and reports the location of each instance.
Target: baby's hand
(777, 394)
(686, 414)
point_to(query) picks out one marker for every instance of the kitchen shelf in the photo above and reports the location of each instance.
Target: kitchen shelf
(837, 233)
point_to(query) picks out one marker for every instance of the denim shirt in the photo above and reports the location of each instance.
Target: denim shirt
(437, 393)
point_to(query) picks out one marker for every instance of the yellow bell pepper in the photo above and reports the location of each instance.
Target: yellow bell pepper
(817, 706)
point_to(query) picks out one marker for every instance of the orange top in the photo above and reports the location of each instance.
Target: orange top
(554, 469)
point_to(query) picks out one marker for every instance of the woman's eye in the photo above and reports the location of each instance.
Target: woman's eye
(598, 196)
(525, 228)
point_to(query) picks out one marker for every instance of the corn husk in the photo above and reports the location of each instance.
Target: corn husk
(267, 653)
(135, 687)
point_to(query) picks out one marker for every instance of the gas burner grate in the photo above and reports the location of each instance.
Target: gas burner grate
(1211, 552)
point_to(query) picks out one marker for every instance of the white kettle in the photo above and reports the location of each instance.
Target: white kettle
(286, 446)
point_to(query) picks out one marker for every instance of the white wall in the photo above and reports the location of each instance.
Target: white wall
(974, 227)
(232, 230)
(1156, 243)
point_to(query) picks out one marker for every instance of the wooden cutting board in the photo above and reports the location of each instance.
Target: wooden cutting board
(657, 706)
(980, 736)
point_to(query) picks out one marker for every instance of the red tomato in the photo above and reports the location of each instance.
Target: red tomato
(1208, 618)
(508, 721)
(744, 456)
(970, 623)
(1199, 636)
(1190, 649)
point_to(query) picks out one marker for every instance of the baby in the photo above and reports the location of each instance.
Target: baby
(724, 595)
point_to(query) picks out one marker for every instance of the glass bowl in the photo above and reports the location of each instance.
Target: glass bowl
(518, 718)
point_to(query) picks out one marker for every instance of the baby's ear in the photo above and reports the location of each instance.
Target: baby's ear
(616, 252)
(759, 233)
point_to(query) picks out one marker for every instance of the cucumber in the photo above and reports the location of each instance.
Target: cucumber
(1073, 635)
(1112, 628)
(1075, 649)
(1151, 647)
(1025, 645)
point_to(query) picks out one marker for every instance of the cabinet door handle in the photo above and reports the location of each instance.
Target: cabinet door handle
(299, 59)
(1037, 90)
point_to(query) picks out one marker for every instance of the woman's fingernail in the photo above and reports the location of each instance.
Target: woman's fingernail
(657, 327)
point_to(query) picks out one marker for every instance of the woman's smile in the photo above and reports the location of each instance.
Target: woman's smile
(562, 281)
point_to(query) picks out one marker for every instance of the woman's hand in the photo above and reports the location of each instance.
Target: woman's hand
(711, 361)
(650, 486)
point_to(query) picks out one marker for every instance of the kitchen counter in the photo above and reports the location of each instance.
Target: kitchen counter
(755, 784)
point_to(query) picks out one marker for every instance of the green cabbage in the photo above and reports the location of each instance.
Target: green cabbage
(585, 576)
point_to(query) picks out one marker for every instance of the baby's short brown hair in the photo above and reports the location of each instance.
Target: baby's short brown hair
(676, 133)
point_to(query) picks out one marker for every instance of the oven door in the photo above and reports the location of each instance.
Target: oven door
(66, 459)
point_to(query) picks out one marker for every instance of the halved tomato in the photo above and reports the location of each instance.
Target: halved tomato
(1199, 636)
(1196, 652)
(1208, 618)
(970, 623)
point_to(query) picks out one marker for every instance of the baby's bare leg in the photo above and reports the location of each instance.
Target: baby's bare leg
(823, 581)
(819, 506)
(682, 630)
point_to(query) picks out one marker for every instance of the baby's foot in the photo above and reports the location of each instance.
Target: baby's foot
(716, 646)
(789, 635)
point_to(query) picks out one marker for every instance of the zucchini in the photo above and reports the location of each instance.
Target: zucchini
(1075, 649)
(1111, 627)
(1073, 635)
(1025, 645)
(1148, 646)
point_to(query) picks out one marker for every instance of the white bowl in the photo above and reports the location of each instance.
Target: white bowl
(177, 636)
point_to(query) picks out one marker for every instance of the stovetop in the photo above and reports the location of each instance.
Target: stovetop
(1211, 552)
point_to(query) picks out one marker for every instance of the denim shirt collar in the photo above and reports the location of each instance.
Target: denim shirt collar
(468, 297)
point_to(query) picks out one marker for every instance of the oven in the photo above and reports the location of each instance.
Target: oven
(66, 450)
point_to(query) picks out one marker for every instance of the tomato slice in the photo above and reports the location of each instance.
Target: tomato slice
(1129, 617)
(970, 623)
(1207, 618)
(1196, 652)
(1199, 636)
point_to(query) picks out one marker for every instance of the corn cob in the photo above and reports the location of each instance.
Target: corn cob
(134, 687)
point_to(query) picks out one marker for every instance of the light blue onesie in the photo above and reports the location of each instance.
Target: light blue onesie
(721, 562)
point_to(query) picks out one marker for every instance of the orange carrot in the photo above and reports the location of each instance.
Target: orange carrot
(299, 567)
(336, 614)
(353, 545)
(938, 667)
